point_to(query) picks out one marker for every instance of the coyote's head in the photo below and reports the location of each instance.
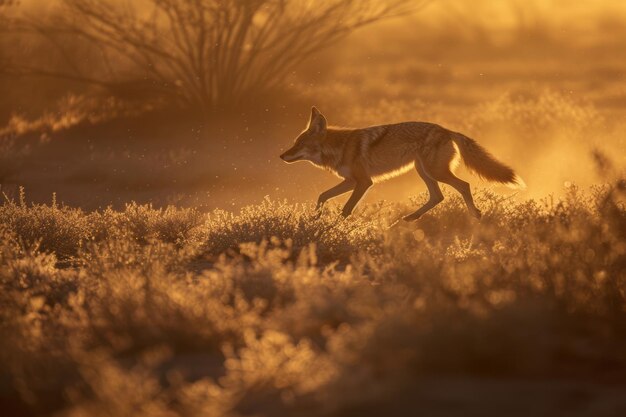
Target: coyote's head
(307, 146)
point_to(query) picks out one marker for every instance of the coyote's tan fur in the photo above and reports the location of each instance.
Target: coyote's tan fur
(372, 154)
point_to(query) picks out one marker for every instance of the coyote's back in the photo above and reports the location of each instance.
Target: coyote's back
(395, 148)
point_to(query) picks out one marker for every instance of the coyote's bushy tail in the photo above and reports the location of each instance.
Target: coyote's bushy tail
(485, 165)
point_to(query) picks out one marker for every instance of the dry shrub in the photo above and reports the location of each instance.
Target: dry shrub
(535, 290)
(66, 231)
(335, 238)
(180, 226)
(53, 228)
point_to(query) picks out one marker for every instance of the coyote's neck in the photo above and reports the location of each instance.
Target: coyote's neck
(333, 146)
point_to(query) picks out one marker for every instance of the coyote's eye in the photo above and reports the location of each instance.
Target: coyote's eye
(312, 147)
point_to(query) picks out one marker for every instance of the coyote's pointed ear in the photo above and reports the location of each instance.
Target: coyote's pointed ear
(317, 123)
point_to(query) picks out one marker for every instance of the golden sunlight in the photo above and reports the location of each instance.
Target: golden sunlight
(312, 208)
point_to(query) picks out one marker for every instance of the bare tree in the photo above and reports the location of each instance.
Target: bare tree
(205, 53)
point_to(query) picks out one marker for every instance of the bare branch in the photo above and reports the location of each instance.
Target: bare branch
(208, 52)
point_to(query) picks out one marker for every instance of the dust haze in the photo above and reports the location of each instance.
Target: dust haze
(158, 258)
(541, 84)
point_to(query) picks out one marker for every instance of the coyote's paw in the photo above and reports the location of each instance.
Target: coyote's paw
(411, 217)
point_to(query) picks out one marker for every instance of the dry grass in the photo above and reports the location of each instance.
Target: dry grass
(273, 312)
(268, 310)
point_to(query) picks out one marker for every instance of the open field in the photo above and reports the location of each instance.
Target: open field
(270, 312)
(157, 258)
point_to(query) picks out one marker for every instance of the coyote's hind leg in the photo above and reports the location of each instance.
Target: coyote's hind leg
(436, 196)
(447, 177)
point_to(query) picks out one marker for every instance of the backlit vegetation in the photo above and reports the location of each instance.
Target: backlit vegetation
(174, 312)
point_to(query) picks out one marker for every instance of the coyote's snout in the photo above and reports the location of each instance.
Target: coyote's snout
(364, 156)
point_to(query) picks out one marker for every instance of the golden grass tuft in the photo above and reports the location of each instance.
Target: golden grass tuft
(273, 311)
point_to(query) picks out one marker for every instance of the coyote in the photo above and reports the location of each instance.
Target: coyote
(372, 154)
